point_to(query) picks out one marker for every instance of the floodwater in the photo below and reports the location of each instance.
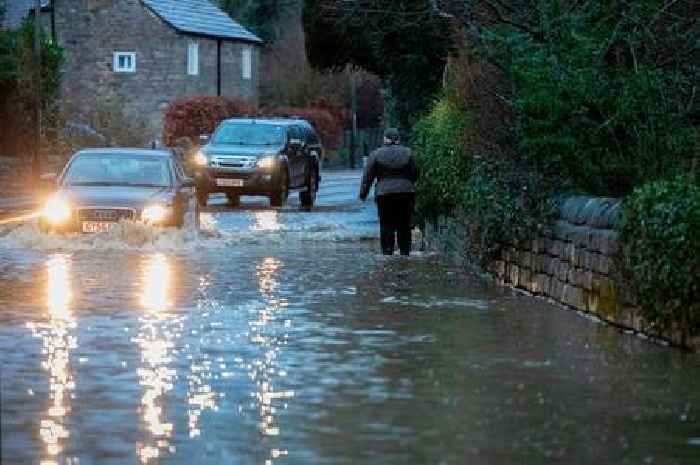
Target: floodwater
(283, 337)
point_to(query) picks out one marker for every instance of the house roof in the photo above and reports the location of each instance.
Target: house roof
(17, 10)
(200, 17)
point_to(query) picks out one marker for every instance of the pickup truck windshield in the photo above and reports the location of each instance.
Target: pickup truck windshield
(249, 134)
(103, 170)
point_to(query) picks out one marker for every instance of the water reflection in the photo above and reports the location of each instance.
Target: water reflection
(266, 220)
(58, 341)
(264, 332)
(200, 395)
(156, 340)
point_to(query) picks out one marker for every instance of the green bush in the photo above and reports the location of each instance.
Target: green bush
(501, 200)
(17, 87)
(599, 99)
(438, 139)
(504, 203)
(661, 237)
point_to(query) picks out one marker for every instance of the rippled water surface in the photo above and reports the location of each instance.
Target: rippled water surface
(282, 337)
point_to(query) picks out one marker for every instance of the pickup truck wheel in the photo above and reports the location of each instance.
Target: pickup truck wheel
(179, 220)
(279, 197)
(233, 200)
(308, 197)
(202, 197)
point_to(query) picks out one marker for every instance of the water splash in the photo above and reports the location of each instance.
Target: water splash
(143, 237)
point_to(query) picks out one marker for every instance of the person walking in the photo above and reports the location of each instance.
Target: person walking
(394, 168)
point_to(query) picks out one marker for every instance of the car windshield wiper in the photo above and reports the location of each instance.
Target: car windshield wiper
(92, 183)
(113, 184)
(144, 185)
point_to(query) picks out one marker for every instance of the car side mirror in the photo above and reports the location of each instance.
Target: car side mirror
(188, 182)
(204, 138)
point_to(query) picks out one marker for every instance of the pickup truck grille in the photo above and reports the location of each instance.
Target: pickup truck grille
(231, 165)
(107, 215)
(235, 162)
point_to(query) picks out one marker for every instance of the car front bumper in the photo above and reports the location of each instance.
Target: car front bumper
(80, 222)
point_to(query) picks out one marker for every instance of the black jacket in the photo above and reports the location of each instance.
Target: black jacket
(394, 168)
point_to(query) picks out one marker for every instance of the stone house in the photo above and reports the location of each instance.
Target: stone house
(138, 55)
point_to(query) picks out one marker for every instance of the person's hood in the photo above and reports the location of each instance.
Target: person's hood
(116, 196)
(241, 150)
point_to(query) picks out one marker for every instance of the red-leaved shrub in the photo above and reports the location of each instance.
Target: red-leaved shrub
(337, 110)
(327, 126)
(196, 115)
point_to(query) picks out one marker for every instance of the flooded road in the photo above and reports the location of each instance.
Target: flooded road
(283, 337)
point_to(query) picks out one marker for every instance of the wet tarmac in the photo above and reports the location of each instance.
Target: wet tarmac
(277, 336)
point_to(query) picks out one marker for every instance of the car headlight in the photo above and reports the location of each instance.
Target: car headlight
(155, 213)
(200, 159)
(57, 209)
(267, 162)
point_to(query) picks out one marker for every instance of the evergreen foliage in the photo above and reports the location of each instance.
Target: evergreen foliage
(500, 200)
(264, 17)
(443, 160)
(406, 43)
(661, 233)
(17, 78)
(595, 101)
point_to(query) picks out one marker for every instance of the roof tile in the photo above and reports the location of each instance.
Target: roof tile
(17, 10)
(200, 17)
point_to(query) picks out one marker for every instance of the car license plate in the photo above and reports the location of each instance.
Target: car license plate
(96, 226)
(229, 182)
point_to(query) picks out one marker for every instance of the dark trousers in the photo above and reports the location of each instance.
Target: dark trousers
(395, 212)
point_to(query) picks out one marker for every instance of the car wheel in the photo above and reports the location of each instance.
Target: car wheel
(279, 197)
(308, 197)
(233, 200)
(202, 197)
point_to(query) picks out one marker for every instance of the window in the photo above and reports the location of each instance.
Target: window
(193, 58)
(124, 62)
(247, 66)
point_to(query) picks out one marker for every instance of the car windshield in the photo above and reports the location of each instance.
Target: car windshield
(105, 170)
(249, 134)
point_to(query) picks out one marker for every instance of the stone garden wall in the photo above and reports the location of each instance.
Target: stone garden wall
(574, 263)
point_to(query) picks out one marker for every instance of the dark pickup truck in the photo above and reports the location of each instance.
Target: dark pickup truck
(260, 156)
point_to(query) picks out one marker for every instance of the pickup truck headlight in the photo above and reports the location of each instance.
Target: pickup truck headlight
(57, 209)
(155, 213)
(267, 162)
(200, 159)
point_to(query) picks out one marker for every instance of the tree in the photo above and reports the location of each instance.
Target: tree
(406, 43)
(264, 17)
(16, 84)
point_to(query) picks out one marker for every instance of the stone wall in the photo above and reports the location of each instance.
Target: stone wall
(91, 31)
(574, 263)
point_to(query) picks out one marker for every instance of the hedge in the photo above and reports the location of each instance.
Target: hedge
(661, 237)
(192, 116)
(328, 127)
(197, 115)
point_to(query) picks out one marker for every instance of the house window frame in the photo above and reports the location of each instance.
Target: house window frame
(124, 69)
(247, 62)
(193, 58)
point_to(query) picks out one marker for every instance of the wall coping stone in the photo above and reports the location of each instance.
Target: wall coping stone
(594, 212)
